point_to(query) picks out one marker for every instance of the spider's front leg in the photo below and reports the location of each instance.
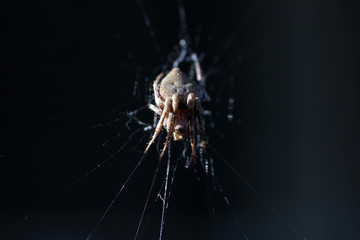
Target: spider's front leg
(171, 122)
(170, 127)
(160, 123)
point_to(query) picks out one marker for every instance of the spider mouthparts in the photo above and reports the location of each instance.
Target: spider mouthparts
(179, 133)
(179, 136)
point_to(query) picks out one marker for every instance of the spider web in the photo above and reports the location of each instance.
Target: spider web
(107, 200)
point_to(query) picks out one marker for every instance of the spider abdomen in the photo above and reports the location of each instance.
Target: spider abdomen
(176, 82)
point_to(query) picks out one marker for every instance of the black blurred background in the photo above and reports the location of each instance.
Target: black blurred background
(291, 66)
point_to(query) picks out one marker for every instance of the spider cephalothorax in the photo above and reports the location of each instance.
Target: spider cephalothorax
(180, 102)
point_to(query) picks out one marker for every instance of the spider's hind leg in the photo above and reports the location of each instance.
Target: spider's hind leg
(199, 74)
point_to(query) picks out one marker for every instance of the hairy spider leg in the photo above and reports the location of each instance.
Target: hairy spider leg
(191, 106)
(160, 123)
(156, 88)
(170, 127)
(155, 109)
(170, 122)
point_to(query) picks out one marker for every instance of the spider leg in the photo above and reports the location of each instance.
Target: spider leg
(191, 105)
(175, 103)
(170, 127)
(201, 125)
(170, 122)
(155, 109)
(160, 123)
(156, 88)
(199, 75)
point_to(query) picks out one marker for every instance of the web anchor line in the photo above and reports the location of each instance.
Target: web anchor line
(116, 197)
(165, 195)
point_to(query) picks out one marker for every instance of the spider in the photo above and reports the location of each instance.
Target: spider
(180, 103)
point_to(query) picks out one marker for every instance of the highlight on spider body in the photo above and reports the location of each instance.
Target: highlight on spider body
(180, 103)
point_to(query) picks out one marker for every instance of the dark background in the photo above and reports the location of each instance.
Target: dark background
(291, 66)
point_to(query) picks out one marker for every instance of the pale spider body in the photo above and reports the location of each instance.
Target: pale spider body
(180, 102)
